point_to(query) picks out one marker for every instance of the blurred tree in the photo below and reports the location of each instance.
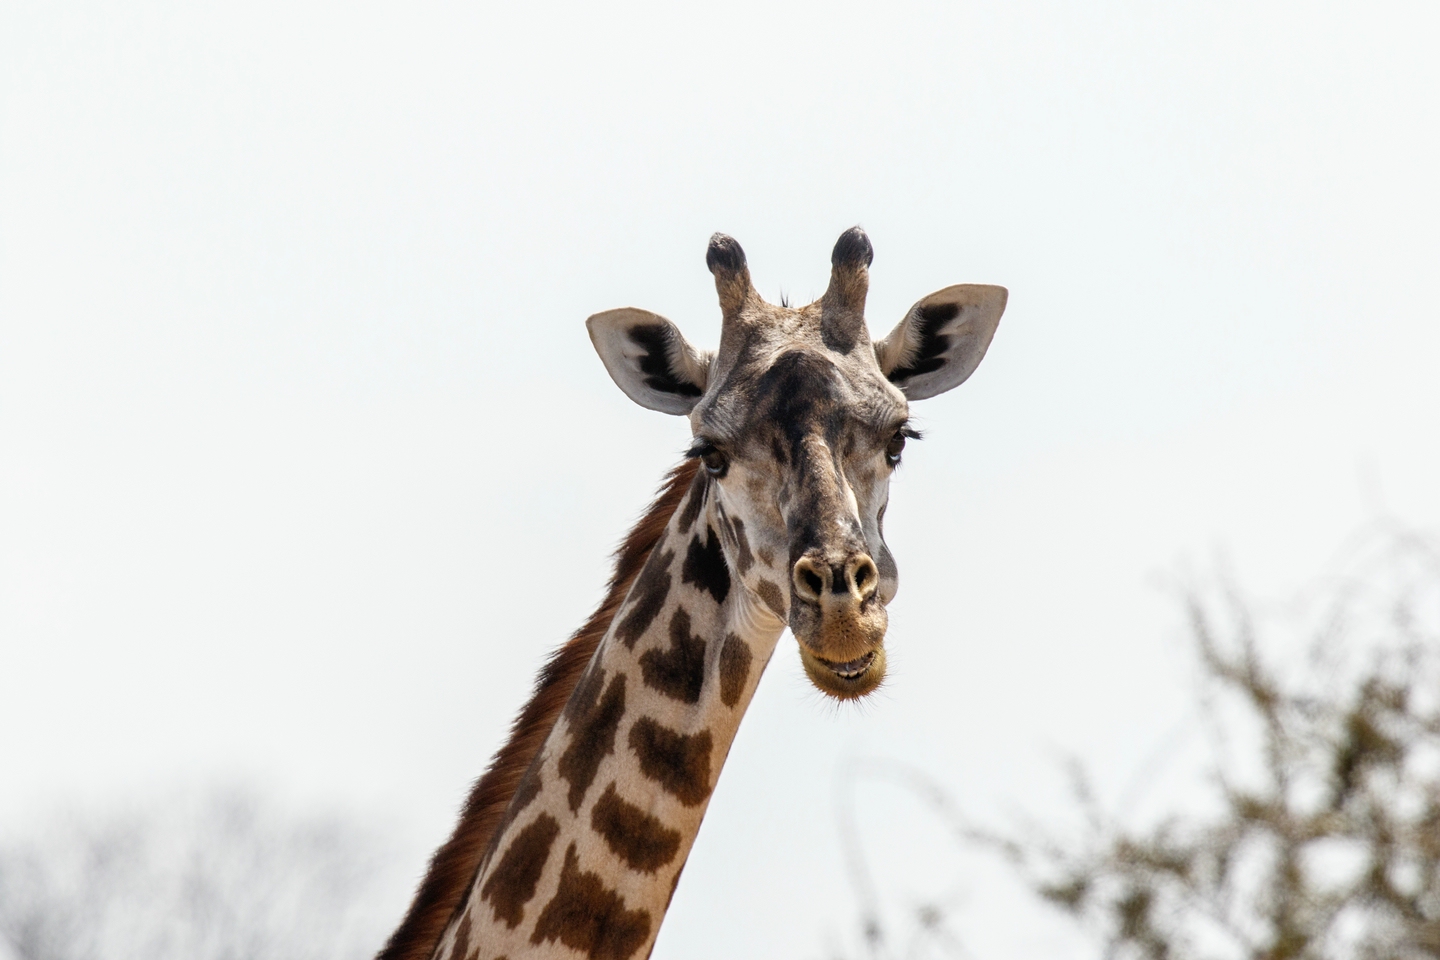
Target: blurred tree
(216, 877)
(1320, 837)
(1323, 837)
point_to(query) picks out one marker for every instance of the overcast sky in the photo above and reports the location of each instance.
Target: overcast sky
(306, 460)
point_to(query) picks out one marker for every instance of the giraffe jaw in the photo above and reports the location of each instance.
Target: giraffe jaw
(845, 681)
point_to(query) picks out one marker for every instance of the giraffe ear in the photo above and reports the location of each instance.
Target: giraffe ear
(942, 339)
(649, 359)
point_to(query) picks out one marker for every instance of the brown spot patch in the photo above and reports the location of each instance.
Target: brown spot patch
(744, 559)
(592, 734)
(453, 870)
(674, 885)
(678, 672)
(705, 566)
(679, 763)
(694, 500)
(778, 451)
(735, 657)
(587, 691)
(586, 916)
(646, 598)
(461, 948)
(772, 597)
(513, 881)
(642, 841)
(528, 790)
(766, 557)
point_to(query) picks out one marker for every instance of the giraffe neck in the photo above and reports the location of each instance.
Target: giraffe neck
(591, 846)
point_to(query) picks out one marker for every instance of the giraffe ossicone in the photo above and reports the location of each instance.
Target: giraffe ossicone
(572, 842)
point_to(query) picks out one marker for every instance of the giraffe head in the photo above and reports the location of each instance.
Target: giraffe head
(799, 419)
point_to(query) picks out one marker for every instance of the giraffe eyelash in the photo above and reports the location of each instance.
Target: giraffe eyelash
(896, 444)
(711, 458)
(699, 448)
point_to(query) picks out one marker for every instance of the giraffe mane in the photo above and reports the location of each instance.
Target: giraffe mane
(454, 866)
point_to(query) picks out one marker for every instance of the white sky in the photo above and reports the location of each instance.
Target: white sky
(306, 461)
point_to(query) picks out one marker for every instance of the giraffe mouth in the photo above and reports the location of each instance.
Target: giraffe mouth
(847, 680)
(851, 669)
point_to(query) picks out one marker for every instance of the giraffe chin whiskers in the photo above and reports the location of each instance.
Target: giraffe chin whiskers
(850, 680)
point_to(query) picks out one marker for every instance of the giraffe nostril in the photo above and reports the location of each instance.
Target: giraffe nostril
(864, 577)
(809, 579)
(838, 586)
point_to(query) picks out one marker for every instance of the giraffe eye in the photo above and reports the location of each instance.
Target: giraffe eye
(715, 462)
(894, 448)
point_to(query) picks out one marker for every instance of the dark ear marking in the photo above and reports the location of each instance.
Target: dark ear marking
(942, 339)
(931, 354)
(512, 884)
(649, 359)
(655, 364)
(587, 916)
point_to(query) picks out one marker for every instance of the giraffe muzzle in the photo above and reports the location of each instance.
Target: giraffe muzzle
(845, 681)
(839, 619)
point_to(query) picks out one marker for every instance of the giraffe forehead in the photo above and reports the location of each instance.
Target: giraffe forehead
(798, 390)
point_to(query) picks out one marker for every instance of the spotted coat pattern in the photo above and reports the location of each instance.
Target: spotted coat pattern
(574, 840)
(590, 862)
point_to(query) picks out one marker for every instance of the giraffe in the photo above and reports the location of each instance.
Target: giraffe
(572, 842)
